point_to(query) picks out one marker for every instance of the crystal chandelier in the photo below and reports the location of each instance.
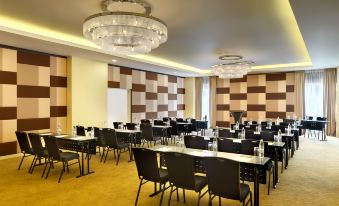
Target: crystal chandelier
(119, 28)
(232, 70)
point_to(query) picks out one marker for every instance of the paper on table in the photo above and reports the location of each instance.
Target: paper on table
(164, 149)
(45, 134)
(196, 153)
(63, 135)
(243, 158)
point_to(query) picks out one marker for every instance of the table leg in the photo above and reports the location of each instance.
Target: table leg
(293, 147)
(256, 186)
(276, 169)
(286, 157)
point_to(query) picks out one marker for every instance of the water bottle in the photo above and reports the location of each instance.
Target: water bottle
(277, 123)
(237, 126)
(215, 144)
(289, 129)
(74, 132)
(261, 149)
(217, 131)
(92, 131)
(279, 135)
(243, 133)
(59, 130)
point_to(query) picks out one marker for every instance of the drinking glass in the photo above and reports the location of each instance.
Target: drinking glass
(210, 146)
(256, 151)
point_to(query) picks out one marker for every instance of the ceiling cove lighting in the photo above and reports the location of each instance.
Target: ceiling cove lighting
(122, 27)
(232, 70)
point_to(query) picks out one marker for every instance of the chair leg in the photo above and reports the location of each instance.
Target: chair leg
(162, 193)
(177, 194)
(68, 167)
(269, 182)
(22, 159)
(103, 154)
(183, 193)
(136, 200)
(209, 199)
(170, 195)
(119, 152)
(62, 171)
(198, 198)
(49, 168)
(30, 167)
(106, 155)
(46, 163)
(33, 166)
(219, 201)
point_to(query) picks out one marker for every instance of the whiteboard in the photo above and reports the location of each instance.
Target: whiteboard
(117, 106)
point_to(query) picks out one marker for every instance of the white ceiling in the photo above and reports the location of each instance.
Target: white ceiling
(199, 30)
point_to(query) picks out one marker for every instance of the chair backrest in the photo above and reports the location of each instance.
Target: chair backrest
(277, 127)
(147, 164)
(249, 134)
(80, 130)
(158, 122)
(309, 118)
(174, 128)
(180, 120)
(253, 127)
(195, 142)
(166, 119)
(226, 145)
(263, 124)
(110, 137)
(130, 126)
(247, 146)
(180, 169)
(116, 125)
(267, 135)
(52, 147)
(224, 133)
(100, 139)
(145, 121)
(23, 142)
(36, 144)
(223, 177)
(146, 131)
(254, 122)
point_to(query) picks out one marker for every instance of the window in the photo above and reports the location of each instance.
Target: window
(205, 102)
(314, 84)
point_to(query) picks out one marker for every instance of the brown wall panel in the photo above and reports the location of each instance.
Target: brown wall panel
(275, 95)
(151, 96)
(181, 91)
(289, 108)
(151, 76)
(8, 113)
(259, 89)
(8, 77)
(162, 108)
(172, 96)
(274, 115)
(33, 91)
(244, 79)
(238, 96)
(138, 108)
(58, 111)
(225, 90)
(32, 58)
(112, 84)
(57, 81)
(139, 87)
(172, 113)
(256, 107)
(223, 107)
(172, 79)
(125, 70)
(33, 124)
(8, 148)
(275, 76)
(223, 124)
(162, 89)
(289, 88)
(151, 115)
(181, 107)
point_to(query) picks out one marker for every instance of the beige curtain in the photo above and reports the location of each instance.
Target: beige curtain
(213, 102)
(330, 81)
(299, 84)
(198, 97)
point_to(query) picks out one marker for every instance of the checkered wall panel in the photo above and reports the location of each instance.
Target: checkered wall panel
(33, 92)
(263, 96)
(153, 95)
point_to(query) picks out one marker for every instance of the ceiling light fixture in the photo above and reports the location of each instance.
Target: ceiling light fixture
(231, 57)
(123, 28)
(232, 70)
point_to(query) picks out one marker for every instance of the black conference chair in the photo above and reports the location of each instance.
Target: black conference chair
(25, 147)
(224, 133)
(166, 119)
(225, 186)
(80, 131)
(181, 175)
(158, 122)
(249, 134)
(226, 145)
(195, 142)
(148, 135)
(247, 146)
(113, 144)
(130, 126)
(148, 170)
(145, 121)
(54, 154)
(180, 120)
(174, 128)
(100, 142)
(116, 125)
(39, 151)
(267, 136)
(194, 127)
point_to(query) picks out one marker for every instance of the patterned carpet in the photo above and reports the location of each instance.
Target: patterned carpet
(312, 178)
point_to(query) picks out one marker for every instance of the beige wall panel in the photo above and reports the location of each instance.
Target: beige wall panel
(272, 87)
(125, 81)
(222, 83)
(180, 114)
(162, 80)
(235, 87)
(223, 98)
(276, 105)
(180, 99)
(281, 86)
(138, 77)
(54, 121)
(256, 116)
(290, 78)
(110, 74)
(172, 105)
(243, 87)
(189, 97)
(151, 106)
(256, 98)
(116, 74)
(138, 98)
(151, 86)
(44, 107)
(223, 116)
(162, 114)
(8, 94)
(180, 82)
(28, 108)
(28, 75)
(238, 105)
(61, 67)
(44, 76)
(172, 88)
(252, 80)
(8, 60)
(58, 96)
(7, 130)
(162, 98)
(290, 98)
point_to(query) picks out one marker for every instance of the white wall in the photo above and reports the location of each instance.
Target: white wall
(117, 106)
(189, 98)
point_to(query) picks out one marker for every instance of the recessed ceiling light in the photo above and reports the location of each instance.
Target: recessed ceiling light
(230, 57)
(114, 60)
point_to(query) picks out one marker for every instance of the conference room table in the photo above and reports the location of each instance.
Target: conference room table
(82, 144)
(128, 136)
(255, 161)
